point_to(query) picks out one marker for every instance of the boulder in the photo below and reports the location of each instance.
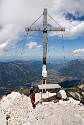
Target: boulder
(61, 94)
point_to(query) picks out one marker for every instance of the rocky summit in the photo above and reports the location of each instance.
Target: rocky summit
(16, 109)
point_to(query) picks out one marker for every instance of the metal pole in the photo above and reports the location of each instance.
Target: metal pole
(44, 72)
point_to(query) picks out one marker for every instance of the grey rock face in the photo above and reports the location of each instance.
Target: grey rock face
(20, 111)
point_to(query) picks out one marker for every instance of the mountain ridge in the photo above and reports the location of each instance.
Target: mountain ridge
(19, 74)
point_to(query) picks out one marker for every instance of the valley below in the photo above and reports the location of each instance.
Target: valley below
(17, 76)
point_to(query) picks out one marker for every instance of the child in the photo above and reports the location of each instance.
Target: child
(32, 94)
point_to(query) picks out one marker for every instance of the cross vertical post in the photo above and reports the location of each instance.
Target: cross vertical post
(44, 72)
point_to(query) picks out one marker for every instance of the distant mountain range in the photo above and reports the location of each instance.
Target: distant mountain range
(20, 73)
(74, 68)
(74, 88)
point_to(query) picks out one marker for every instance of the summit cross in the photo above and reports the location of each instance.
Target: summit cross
(44, 29)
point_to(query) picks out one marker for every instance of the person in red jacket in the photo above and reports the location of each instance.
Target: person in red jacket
(32, 94)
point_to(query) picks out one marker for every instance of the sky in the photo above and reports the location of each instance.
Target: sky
(15, 15)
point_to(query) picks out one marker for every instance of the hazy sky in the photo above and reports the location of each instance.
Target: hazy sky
(15, 15)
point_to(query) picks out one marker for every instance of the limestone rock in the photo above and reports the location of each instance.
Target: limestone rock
(20, 111)
(61, 94)
(71, 100)
(2, 119)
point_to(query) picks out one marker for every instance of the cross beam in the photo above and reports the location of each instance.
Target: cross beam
(45, 28)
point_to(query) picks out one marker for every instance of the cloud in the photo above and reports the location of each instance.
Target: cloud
(78, 51)
(73, 28)
(15, 15)
(34, 45)
(52, 47)
(1, 52)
